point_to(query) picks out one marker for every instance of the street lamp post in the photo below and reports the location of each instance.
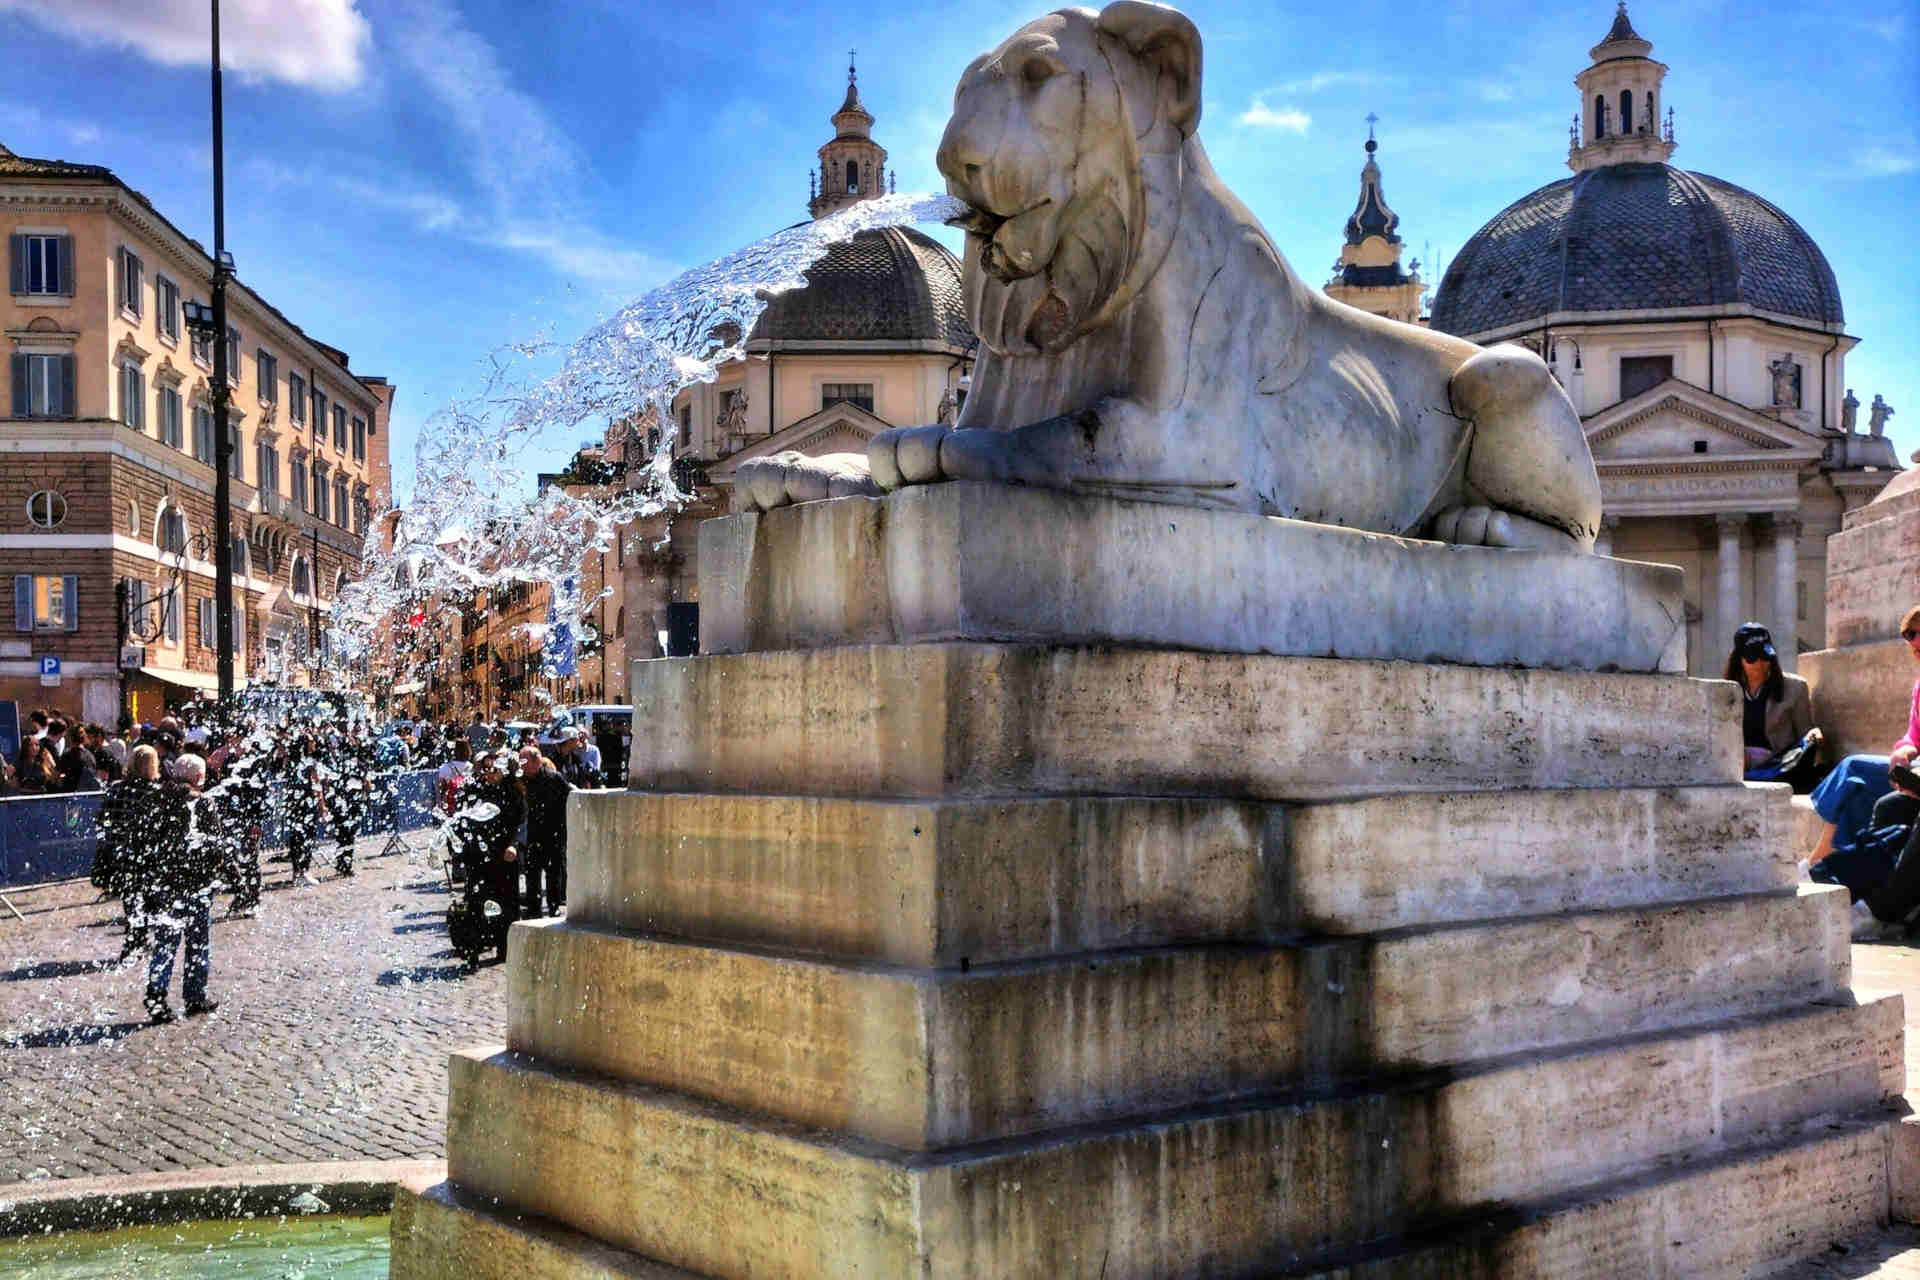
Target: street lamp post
(212, 323)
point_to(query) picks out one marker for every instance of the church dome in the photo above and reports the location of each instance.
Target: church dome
(1635, 237)
(893, 284)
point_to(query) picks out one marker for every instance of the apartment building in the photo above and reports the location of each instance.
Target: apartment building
(106, 488)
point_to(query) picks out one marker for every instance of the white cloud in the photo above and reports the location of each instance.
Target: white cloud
(1287, 119)
(317, 44)
(24, 124)
(1881, 161)
(1492, 91)
(1323, 80)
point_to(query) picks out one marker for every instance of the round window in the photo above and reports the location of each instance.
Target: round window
(46, 509)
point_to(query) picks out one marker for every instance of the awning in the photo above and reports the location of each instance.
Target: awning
(205, 681)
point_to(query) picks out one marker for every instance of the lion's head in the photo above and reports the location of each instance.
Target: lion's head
(1064, 140)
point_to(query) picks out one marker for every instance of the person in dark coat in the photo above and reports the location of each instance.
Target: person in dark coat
(546, 858)
(351, 765)
(244, 797)
(173, 888)
(306, 808)
(128, 825)
(492, 809)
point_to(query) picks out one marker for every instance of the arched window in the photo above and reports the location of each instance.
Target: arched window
(170, 534)
(1626, 112)
(133, 518)
(1599, 115)
(620, 622)
(853, 178)
(302, 580)
(239, 555)
(339, 583)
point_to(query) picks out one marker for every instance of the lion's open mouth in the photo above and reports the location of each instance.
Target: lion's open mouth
(1009, 249)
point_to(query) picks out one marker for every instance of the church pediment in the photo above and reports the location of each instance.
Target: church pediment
(838, 428)
(1673, 419)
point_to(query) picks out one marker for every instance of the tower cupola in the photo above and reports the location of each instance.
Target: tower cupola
(853, 167)
(1619, 120)
(1369, 275)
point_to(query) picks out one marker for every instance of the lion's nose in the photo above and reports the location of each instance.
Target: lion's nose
(958, 158)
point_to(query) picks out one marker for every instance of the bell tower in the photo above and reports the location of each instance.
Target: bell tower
(1619, 119)
(852, 165)
(1368, 274)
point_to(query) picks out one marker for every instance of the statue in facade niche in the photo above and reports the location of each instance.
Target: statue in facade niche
(733, 412)
(1877, 415)
(1142, 338)
(1786, 382)
(1850, 413)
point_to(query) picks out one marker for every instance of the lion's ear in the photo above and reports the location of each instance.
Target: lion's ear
(1168, 39)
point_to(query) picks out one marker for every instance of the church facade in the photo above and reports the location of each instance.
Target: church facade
(1699, 331)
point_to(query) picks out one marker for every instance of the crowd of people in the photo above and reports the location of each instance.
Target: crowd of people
(188, 800)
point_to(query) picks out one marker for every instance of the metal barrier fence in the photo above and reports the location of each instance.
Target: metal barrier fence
(52, 837)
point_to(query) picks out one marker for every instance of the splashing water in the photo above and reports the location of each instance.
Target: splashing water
(468, 527)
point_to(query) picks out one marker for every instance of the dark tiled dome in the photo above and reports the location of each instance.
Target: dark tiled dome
(1632, 237)
(894, 283)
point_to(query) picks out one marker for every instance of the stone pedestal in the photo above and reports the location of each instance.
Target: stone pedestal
(972, 955)
(1863, 680)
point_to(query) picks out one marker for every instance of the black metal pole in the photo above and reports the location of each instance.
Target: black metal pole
(122, 609)
(222, 431)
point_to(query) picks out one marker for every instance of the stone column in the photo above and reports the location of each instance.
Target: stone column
(1603, 541)
(1786, 594)
(1727, 578)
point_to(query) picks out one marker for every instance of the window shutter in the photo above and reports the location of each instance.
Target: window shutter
(66, 407)
(66, 265)
(17, 264)
(70, 592)
(17, 374)
(22, 602)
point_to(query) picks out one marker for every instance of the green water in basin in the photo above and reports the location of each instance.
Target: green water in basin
(318, 1248)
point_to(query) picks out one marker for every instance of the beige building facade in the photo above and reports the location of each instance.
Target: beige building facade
(1700, 333)
(108, 434)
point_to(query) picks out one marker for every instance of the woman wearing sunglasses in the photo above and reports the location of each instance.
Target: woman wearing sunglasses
(1864, 808)
(1777, 713)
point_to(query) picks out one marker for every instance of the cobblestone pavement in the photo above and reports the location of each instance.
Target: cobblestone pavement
(338, 1006)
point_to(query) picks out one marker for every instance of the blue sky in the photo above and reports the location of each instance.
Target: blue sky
(423, 181)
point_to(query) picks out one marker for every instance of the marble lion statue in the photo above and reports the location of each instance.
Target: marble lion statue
(1142, 338)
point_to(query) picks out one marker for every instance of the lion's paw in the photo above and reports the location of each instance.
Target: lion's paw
(1492, 527)
(900, 456)
(783, 479)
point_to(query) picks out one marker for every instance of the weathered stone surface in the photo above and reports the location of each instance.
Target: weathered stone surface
(930, 884)
(999, 563)
(1396, 861)
(439, 1232)
(993, 880)
(971, 719)
(1861, 694)
(1740, 1216)
(724, 1193)
(936, 1058)
(1456, 993)
(1873, 571)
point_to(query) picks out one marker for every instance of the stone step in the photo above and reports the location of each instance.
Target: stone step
(1219, 1190)
(934, 1058)
(1745, 1214)
(440, 1232)
(983, 881)
(1002, 562)
(1002, 720)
